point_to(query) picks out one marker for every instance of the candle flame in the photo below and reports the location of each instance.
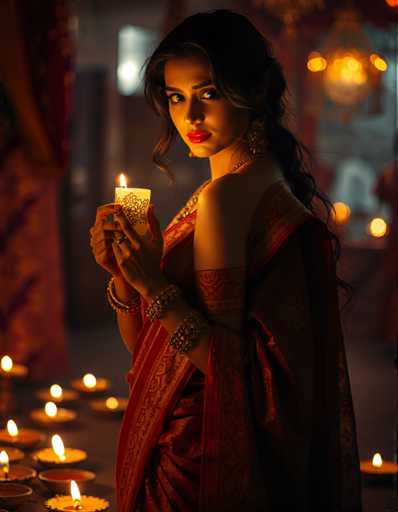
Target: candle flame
(4, 462)
(12, 428)
(377, 460)
(6, 363)
(58, 447)
(89, 380)
(56, 391)
(122, 180)
(51, 409)
(74, 491)
(112, 402)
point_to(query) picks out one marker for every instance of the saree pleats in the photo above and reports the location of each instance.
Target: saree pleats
(271, 426)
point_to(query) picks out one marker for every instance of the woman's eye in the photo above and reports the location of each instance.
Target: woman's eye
(210, 94)
(174, 98)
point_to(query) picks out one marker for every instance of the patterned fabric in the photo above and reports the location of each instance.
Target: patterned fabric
(271, 426)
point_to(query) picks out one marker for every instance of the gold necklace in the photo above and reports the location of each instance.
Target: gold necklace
(191, 203)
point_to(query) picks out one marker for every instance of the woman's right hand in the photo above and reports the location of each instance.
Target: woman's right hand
(103, 234)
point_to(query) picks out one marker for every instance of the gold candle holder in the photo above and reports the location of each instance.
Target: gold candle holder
(87, 504)
(111, 406)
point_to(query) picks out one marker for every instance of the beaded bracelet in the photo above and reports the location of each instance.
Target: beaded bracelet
(161, 302)
(187, 334)
(120, 307)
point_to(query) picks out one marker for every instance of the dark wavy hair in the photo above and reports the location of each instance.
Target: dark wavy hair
(247, 74)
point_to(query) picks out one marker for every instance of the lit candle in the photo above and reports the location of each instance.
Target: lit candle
(11, 370)
(75, 493)
(56, 391)
(112, 403)
(12, 429)
(4, 464)
(58, 447)
(135, 202)
(377, 460)
(51, 409)
(89, 380)
(24, 438)
(378, 469)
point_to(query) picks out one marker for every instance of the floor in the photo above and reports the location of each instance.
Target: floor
(374, 387)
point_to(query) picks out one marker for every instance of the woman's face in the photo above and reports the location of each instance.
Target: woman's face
(206, 121)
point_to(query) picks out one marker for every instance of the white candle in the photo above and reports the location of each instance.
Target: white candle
(135, 203)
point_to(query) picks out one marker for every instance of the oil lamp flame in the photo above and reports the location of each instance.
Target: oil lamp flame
(56, 391)
(6, 363)
(89, 380)
(377, 227)
(112, 403)
(58, 447)
(75, 493)
(4, 462)
(51, 409)
(377, 460)
(12, 428)
(122, 180)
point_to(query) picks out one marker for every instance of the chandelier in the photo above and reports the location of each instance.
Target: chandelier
(350, 69)
(290, 11)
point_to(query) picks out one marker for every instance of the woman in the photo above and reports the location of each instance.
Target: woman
(239, 391)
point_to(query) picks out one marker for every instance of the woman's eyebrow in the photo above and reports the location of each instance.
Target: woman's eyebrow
(196, 86)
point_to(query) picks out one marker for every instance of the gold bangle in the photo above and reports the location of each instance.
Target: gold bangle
(119, 306)
(161, 302)
(186, 336)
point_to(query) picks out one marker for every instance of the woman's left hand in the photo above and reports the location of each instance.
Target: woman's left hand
(139, 258)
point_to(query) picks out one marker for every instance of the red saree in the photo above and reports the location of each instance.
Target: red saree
(271, 426)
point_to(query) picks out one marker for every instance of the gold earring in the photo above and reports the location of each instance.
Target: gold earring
(256, 138)
(190, 154)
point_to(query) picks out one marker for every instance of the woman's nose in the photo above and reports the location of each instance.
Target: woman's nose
(194, 113)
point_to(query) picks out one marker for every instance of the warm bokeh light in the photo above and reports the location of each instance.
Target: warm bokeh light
(56, 391)
(377, 227)
(51, 409)
(347, 69)
(122, 180)
(89, 380)
(12, 428)
(316, 62)
(75, 492)
(341, 212)
(377, 461)
(6, 363)
(378, 62)
(58, 447)
(392, 3)
(112, 402)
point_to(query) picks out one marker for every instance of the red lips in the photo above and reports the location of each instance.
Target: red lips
(198, 136)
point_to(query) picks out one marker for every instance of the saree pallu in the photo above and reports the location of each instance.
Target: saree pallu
(271, 426)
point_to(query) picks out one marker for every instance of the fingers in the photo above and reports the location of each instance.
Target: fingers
(129, 231)
(107, 209)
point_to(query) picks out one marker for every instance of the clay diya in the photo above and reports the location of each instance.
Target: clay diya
(90, 385)
(58, 455)
(58, 480)
(378, 470)
(51, 414)
(76, 501)
(10, 370)
(21, 438)
(15, 472)
(14, 454)
(110, 406)
(12, 495)
(57, 394)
